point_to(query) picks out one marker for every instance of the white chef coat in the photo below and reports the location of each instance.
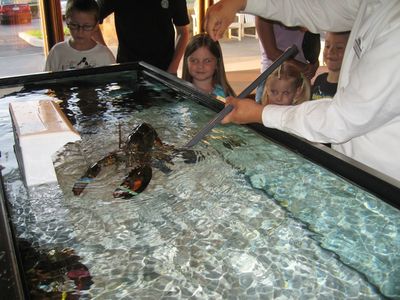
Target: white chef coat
(362, 121)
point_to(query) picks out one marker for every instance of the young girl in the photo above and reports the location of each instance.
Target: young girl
(286, 86)
(203, 66)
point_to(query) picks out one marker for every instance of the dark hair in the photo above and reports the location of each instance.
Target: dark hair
(219, 77)
(87, 6)
(311, 46)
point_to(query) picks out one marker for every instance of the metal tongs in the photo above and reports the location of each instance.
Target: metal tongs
(289, 52)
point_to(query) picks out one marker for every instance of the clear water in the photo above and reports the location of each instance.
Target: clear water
(251, 220)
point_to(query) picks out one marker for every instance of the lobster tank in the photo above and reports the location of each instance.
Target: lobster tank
(257, 213)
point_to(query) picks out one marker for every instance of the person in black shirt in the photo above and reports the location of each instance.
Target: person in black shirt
(146, 30)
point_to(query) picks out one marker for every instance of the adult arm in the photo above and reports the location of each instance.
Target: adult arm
(181, 22)
(106, 8)
(97, 36)
(265, 30)
(316, 16)
(361, 106)
(366, 101)
(182, 38)
(367, 96)
(310, 69)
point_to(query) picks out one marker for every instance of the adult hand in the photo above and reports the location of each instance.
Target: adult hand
(220, 15)
(310, 70)
(244, 111)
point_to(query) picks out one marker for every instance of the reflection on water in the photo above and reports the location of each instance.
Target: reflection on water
(54, 274)
(249, 220)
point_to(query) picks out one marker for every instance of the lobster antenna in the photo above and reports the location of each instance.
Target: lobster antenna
(119, 135)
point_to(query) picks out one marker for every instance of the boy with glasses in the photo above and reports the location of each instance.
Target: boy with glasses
(80, 50)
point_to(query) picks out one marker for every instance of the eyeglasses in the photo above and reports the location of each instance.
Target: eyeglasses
(196, 61)
(74, 26)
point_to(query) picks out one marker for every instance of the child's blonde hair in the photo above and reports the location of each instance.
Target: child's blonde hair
(219, 77)
(290, 72)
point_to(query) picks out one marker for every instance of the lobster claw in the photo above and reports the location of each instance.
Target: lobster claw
(92, 173)
(81, 184)
(136, 182)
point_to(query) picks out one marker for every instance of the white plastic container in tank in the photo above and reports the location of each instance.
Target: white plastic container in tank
(40, 129)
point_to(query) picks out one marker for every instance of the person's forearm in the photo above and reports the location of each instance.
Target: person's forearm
(312, 70)
(98, 36)
(238, 4)
(266, 34)
(181, 42)
(316, 16)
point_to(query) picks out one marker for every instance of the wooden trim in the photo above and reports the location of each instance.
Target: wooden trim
(52, 23)
(202, 6)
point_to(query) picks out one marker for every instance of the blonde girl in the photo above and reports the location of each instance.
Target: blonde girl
(286, 86)
(203, 66)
